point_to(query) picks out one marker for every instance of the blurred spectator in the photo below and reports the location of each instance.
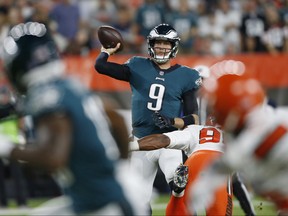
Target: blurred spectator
(253, 26)
(79, 45)
(26, 8)
(211, 35)
(275, 37)
(94, 40)
(147, 16)
(124, 24)
(6, 3)
(86, 9)
(94, 14)
(191, 4)
(238, 25)
(284, 12)
(40, 12)
(59, 39)
(67, 16)
(15, 15)
(4, 26)
(104, 14)
(184, 21)
(230, 21)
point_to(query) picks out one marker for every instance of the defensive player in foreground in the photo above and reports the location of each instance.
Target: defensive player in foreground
(239, 189)
(157, 85)
(73, 139)
(202, 144)
(256, 141)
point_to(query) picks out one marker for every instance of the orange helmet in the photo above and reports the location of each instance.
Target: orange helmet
(231, 97)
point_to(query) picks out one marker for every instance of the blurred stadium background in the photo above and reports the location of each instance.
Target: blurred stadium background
(215, 33)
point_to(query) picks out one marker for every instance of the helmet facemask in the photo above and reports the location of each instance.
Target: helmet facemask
(163, 32)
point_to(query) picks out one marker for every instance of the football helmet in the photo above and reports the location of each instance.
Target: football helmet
(27, 47)
(167, 33)
(232, 97)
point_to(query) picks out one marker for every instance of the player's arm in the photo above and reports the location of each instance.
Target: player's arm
(190, 111)
(184, 121)
(114, 70)
(52, 143)
(165, 122)
(190, 107)
(117, 125)
(173, 140)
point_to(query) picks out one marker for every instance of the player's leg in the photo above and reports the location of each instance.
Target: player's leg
(176, 204)
(223, 203)
(169, 161)
(132, 185)
(197, 162)
(241, 193)
(145, 164)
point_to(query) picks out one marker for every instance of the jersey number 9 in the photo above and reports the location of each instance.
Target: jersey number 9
(156, 93)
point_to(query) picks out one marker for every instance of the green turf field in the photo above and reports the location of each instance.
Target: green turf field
(262, 207)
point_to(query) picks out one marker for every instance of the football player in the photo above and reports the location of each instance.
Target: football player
(239, 189)
(157, 85)
(202, 144)
(256, 140)
(73, 139)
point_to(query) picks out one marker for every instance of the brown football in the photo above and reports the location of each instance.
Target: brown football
(109, 37)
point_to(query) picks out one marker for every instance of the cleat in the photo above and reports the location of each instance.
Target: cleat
(180, 178)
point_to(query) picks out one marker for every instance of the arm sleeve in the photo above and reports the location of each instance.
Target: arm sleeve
(114, 70)
(190, 104)
(179, 140)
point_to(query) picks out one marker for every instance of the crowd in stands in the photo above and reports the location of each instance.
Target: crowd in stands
(206, 27)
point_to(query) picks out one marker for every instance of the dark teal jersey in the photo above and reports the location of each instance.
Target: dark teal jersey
(89, 177)
(157, 90)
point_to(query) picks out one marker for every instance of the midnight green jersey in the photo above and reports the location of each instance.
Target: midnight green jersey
(89, 178)
(157, 90)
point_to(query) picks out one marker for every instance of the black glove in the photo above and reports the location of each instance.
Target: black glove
(162, 121)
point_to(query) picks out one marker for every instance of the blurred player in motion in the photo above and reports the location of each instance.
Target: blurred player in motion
(73, 139)
(239, 189)
(202, 144)
(256, 140)
(153, 83)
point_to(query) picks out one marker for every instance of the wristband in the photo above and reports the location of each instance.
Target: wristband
(188, 120)
(172, 121)
(104, 51)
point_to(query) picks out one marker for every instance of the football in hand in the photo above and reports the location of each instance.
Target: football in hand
(109, 37)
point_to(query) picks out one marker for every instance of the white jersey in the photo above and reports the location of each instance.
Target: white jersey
(197, 137)
(260, 151)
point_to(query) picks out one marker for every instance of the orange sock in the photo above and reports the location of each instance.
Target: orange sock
(176, 206)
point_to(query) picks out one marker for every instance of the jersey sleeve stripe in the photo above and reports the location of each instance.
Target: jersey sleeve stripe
(264, 148)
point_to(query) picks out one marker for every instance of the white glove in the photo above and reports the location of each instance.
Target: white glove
(6, 146)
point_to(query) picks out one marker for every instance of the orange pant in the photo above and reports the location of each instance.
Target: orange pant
(222, 204)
